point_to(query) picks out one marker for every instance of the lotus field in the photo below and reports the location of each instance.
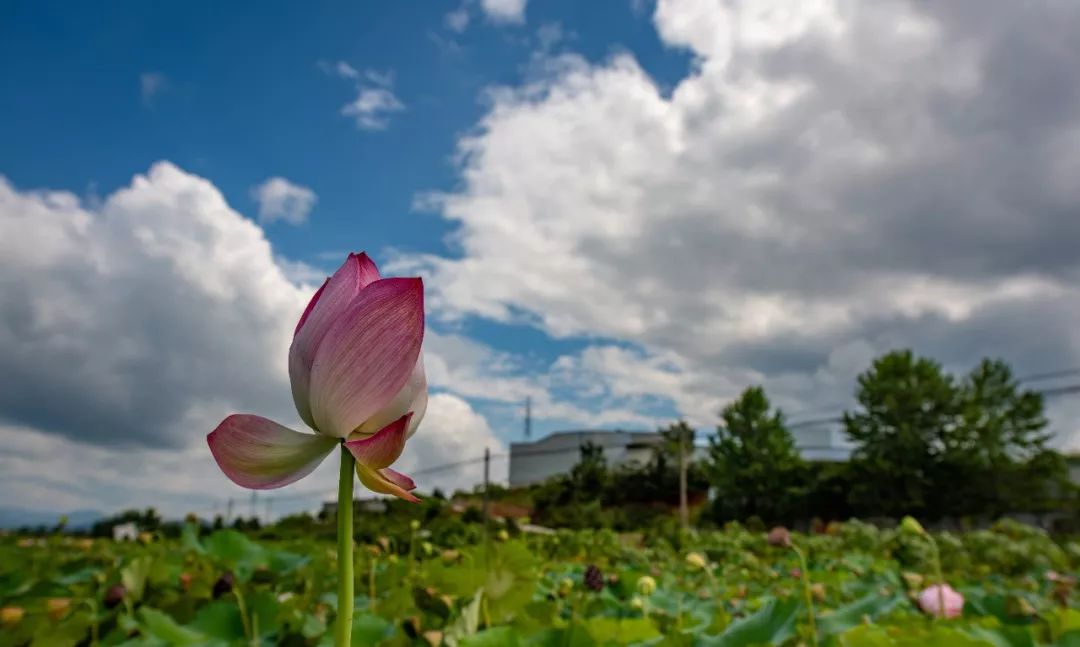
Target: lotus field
(851, 584)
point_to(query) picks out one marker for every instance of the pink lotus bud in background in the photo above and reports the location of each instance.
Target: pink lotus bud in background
(933, 597)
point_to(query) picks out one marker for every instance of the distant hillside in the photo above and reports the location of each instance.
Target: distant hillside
(18, 517)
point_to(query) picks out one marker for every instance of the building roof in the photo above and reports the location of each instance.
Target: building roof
(580, 432)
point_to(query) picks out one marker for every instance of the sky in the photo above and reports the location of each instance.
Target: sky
(626, 212)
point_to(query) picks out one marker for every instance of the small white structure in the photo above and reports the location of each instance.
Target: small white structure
(821, 443)
(125, 531)
(557, 453)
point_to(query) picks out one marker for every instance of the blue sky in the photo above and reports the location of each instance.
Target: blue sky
(626, 211)
(238, 98)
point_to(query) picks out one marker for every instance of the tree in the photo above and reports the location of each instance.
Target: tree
(1001, 433)
(908, 412)
(590, 475)
(754, 464)
(678, 443)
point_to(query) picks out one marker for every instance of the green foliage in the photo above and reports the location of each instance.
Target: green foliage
(531, 590)
(930, 445)
(753, 462)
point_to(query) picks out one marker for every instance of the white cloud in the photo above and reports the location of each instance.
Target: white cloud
(280, 199)
(827, 178)
(458, 19)
(151, 84)
(340, 69)
(504, 11)
(129, 329)
(372, 108)
(451, 433)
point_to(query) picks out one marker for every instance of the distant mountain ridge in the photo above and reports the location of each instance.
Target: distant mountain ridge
(12, 517)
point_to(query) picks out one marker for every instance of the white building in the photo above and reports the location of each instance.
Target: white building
(125, 531)
(557, 453)
(821, 442)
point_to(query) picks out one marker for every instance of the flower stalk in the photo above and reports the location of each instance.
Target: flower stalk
(804, 575)
(343, 631)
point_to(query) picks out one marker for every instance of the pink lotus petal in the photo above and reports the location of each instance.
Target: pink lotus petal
(260, 454)
(398, 479)
(310, 305)
(412, 398)
(328, 304)
(382, 449)
(386, 481)
(368, 355)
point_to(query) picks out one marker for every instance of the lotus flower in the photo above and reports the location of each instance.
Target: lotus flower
(942, 601)
(357, 378)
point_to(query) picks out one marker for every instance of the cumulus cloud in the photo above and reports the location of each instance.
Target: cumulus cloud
(504, 11)
(828, 181)
(280, 199)
(372, 107)
(129, 328)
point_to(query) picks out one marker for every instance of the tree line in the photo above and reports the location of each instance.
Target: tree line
(923, 442)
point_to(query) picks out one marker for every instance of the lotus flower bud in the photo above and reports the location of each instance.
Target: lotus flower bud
(11, 616)
(696, 561)
(911, 526)
(414, 525)
(185, 581)
(779, 536)
(646, 585)
(57, 608)
(114, 596)
(932, 598)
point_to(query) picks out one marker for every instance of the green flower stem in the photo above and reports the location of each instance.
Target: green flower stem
(243, 611)
(804, 574)
(938, 575)
(343, 631)
(372, 593)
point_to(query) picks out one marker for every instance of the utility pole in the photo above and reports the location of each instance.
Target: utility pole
(528, 417)
(684, 508)
(228, 512)
(254, 493)
(487, 514)
(269, 500)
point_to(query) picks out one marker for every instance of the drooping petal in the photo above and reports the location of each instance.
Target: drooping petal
(412, 398)
(326, 306)
(367, 356)
(386, 481)
(383, 448)
(398, 479)
(260, 454)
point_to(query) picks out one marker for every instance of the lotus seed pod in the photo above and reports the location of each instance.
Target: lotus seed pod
(594, 579)
(224, 584)
(646, 585)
